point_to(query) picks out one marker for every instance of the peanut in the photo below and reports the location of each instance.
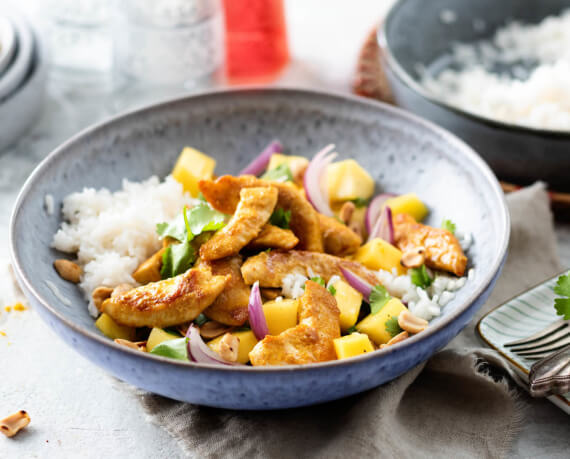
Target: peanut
(12, 424)
(68, 270)
(346, 212)
(212, 329)
(411, 323)
(229, 347)
(100, 294)
(398, 338)
(138, 345)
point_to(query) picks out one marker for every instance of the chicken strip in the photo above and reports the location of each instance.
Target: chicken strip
(230, 308)
(223, 195)
(338, 238)
(442, 250)
(273, 237)
(269, 268)
(253, 211)
(167, 302)
(311, 340)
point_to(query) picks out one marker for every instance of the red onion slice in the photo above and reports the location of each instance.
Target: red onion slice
(258, 165)
(384, 226)
(315, 178)
(357, 283)
(200, 352)
(375, 209)
(256, 314)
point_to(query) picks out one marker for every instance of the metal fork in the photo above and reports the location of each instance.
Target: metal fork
(551, 347)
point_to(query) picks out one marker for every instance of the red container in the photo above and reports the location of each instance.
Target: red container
(256, 40)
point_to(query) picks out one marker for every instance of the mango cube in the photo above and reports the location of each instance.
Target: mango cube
(247, 341)
(280, 315)
(379, 254)
(348, 301)
(374, 325)
(157, 336)
(408, 204)
(352, 345)
(191, 167)
(347, 180)
(113, 330)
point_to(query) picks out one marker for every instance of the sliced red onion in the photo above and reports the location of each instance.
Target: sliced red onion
(258, 165)
(256, 315)
(315, 178)
(199, 351)
(375, 209)
(384, 226)
(357, 283)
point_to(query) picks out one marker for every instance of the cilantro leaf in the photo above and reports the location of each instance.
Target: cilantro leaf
(319, 280)
(173, 348)
(392, 326)
(281, 173)
(177, 259)
(280, 218)
(378, 299)
(562, 305)
(332, 290)
(420, 277)
(201, 320)
(351, 330)
(360, 202)
(448, 225)
(203, 218)
(176, 229)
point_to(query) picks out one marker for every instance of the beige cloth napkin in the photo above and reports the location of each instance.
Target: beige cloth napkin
(447, 407)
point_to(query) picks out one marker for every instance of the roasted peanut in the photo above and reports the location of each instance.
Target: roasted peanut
(411, 323)
(399, 337)
(12, 424)
(120, 289)
(138, 345)
(413, 258)
(212, 329)
(100, 294)
(229, 347)
(346, 211)
(68, 270)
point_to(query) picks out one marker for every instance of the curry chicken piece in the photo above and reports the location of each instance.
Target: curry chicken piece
(311, 340)
(230, 307)
(168, 302)
(269, 268)
(223, 195)
(253, 211)
(442, 250)
(338, 238)
(273, 237)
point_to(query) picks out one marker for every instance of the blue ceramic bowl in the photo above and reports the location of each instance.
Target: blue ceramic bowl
(402, 152)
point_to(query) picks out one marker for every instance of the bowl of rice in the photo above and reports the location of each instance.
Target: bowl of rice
(100, 195)
(494, 73)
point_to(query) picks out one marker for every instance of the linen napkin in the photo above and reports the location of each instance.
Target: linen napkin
(455, 405)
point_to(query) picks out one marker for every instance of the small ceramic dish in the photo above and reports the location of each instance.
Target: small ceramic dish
(414, 35)
(518, 318)
(8, 43)
(402, 153)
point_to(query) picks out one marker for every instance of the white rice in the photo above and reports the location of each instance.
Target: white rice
(537, 98)
(113, 232)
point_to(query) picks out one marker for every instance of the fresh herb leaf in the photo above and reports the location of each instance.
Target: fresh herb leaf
(448, 225)
(176, 229)
(332, 290)
(280, 218)
(360, 202)
(177, 259)
(562, 305)
(420, 277)
(203, 218)
(319, 280)
(173, 348)
(392, 327)
(201, 320)
(351, 330)
(378, 299)
(281, 173)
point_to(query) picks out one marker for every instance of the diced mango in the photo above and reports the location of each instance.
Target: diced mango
(352, 345)
(191, 167)
(408, 204)
(280, 315)
(157, 336)
(374, 325)
(379, 254)
(149, 270)
(348, 301)
(113, 330)
(347, 180)
(247, 341)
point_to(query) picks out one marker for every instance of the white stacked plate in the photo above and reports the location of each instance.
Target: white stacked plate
(22, 77)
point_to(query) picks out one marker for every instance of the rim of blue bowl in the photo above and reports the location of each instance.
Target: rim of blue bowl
(402, 114)
(404, 76)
